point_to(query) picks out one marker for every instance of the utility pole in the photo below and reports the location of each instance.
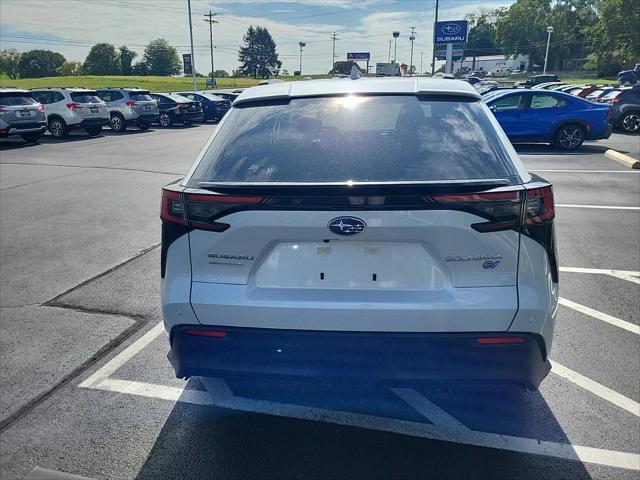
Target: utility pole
(433, 58)
(211, 21)
(421, 55)
(412, 38)
(395, 46)
(193, 59)
(302, 45)
(333, 37)
(389, 56)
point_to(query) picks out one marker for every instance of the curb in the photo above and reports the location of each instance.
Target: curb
(625, 160)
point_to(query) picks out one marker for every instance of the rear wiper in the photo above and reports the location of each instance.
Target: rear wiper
(354, 188)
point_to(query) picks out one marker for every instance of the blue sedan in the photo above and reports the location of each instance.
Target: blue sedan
(213, 106)
(529, 116)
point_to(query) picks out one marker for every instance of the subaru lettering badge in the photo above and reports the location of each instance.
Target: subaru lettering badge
(451, 29)
(347, 225)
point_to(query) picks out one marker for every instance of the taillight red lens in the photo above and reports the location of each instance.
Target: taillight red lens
(72, 106)
(539, 205)
(131, 104)
(205, 333)
(3, 109)
(40, 107)
(172, 208)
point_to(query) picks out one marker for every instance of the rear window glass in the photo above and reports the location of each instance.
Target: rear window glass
(12, 99)
(140, 96)
(357, 138)
(85, 97)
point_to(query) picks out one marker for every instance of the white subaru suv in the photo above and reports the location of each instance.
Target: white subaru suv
(382, 230)
(69, 109)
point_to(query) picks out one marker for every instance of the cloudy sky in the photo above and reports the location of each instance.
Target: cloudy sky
(73, 26)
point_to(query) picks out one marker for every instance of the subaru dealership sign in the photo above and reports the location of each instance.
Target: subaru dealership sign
(358, 56)
(452, 31)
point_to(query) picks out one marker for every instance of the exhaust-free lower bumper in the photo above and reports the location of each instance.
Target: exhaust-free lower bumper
(359, 356)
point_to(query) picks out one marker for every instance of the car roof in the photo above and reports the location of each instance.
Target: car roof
(173, 96)
(386, 85)
(13, 90)
(67, 89)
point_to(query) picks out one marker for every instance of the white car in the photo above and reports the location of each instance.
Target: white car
(69, 109)
(369, 229)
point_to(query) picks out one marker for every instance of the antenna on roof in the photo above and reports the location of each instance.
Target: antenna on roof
(355, 73)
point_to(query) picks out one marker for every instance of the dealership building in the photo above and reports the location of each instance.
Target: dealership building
(491, 63)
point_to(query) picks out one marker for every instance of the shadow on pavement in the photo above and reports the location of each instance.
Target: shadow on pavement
(199, 442)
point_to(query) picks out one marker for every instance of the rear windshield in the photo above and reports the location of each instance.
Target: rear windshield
(140, 96)
(357, 138)
(85, 97)
(12, 99)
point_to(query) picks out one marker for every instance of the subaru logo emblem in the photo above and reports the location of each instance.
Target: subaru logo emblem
(347, 225)
(451, 29)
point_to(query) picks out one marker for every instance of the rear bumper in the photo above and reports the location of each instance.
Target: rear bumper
(189, 116)
(145, 118)
(92, 122)
(601, 135)
(20, 129)
(361, 356)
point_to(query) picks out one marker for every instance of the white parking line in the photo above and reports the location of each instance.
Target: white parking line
(596, 388)
(600, 316)
(628, 275)
(604, 207)
(586, 171)
(429, 410)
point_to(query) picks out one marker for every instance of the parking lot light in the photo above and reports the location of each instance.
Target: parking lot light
(546, 55)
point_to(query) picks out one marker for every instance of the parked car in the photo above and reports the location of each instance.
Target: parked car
(538, 79)
(69, 109)
(302, 245)
(213, 106)
(548, 85)
(473, 80)
(599, 92)
(584, 92)
(21, 114)
(129, 106)
(629, 77)
(177, 109)
(562, 88)
(625, 108)
(550, 117)
(228, 94)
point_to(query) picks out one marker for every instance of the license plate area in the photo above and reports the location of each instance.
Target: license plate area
(25, 113)
(94, 110)
(350, 265)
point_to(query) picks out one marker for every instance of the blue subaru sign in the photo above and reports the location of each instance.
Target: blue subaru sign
(452, 31)
(356, 56)
(347, 225)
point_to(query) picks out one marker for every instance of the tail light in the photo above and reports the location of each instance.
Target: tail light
(196, 211)
(3, 109)
(183, 106)
(72, 106)
(614, 100)
(40, 107)
(132, 104)
(539, 206)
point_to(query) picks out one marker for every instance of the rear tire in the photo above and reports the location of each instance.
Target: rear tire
(630, 122)
(569, 137)
(93, 131)
(31, 137)
(164, 119)
(58, 128)
(118, 123)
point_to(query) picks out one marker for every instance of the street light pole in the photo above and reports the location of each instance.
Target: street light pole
(193, 59)
(546, 55)
(395, 46)
(433, 58)
(412, 38)
(302, 45)
(389, 56)
(421, 55)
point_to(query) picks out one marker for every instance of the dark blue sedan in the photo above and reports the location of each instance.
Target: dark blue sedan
(530, 116)
(213, 106)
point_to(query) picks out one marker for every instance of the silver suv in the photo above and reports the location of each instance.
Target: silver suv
(72, 108)
(129, 106)
(21, 114)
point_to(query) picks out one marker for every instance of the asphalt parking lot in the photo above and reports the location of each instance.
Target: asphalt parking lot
(87, 388)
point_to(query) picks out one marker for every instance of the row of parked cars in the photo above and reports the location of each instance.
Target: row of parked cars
(29, 113)
(562, 114)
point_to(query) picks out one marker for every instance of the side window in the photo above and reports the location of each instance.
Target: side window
(510, 102)
(547, 101)
(116, 96)
(191, 96)
(56, 97)
(105, 96)
(42, 97)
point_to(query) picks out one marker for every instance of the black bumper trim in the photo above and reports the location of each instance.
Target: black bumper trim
(360, 356)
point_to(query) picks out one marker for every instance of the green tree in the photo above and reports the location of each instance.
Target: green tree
(102, 60)
(482, 35)
(220, 74)
(125, 58)
(258, 56)
(614, 38)
(71, 69)
(344, 68)
(160, 58)
(9, 62)
(522, 29)
(40, 63)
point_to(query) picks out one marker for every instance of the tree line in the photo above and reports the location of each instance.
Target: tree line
(607, 32)
(159, 58)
